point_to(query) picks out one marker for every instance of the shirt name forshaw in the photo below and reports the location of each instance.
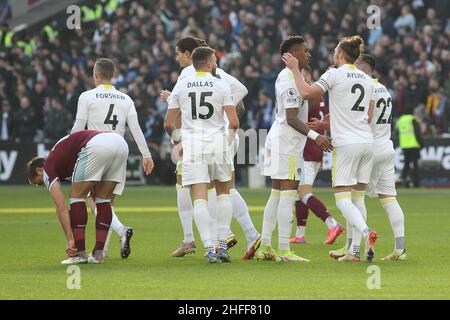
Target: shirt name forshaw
(109, 96)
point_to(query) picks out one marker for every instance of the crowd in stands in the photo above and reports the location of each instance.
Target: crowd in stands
(45, 67)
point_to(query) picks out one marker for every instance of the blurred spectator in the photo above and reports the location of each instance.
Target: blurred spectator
(140, 35)
(24, 122)
(153, 128)
(406, 23)
(265, 108)
(59, 121)
(6, 121)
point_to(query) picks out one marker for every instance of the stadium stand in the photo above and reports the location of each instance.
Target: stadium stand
(44, 67)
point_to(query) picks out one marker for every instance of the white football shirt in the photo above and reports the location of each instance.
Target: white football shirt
(105, 108)
(350, 92)
(201, 98)
(284, 138)
(382, 115)
(238, 90)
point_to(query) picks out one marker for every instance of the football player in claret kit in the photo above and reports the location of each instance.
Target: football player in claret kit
(203, 100)
(105, 108)
(283, 155)
(184, 49)
(312, 162)
(351, 94)
(92, 160)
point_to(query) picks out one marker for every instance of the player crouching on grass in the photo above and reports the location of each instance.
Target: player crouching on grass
(93, 160)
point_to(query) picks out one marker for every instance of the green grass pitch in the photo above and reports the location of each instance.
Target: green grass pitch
(32, 246)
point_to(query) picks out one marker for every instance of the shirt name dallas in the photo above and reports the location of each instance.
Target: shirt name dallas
(200, 84)
(195, 310)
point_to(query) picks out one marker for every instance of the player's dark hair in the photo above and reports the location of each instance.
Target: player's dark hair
(291, 41)
(105, 68)
(32, 165)
(368, 59)
(201, 55)
(352, 47)
(201, 42)
(189, 44)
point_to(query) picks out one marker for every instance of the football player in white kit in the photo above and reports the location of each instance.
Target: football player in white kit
(351, 94)
(184, 50)
(382, 180)
(105, 108)
(203, 100)
(283, 155)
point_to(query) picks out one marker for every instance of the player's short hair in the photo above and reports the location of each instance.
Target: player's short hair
(352, 47)
(189, 44)
(32, 165)
(201, 55)
(368, 59)
(105, 68)
(291, 41)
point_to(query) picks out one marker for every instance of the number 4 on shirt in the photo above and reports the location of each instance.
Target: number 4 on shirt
(108, 119)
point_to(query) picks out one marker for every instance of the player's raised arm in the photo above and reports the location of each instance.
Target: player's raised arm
(82, 114)
(308, 92)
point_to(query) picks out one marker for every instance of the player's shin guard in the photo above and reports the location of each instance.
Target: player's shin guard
(203, 222)
(358, 199)
(351, 212)
(186, 212)
(397, 220)
(285, 217)
(270, 217)
(102, 225)
(240, 212)
(223, 218)
(78, 220)
(212, 209)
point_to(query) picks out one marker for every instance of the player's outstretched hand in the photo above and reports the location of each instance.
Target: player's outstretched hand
(290, 61)
(324, 143)
(315, 124)
(148, 165)
(70, 248)
(164, 95)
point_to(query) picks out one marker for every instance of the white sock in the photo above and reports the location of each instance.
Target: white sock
(223, 218)
(203, 222)
(240, 212)
(300, 231)
(105, 247)
(186, 212)
(212, 208)
(285, 217)
(270, 217)
(349, 235)
(116, 225)
(356, 242)
(397, 220)
(351, 213)
(358, 198)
